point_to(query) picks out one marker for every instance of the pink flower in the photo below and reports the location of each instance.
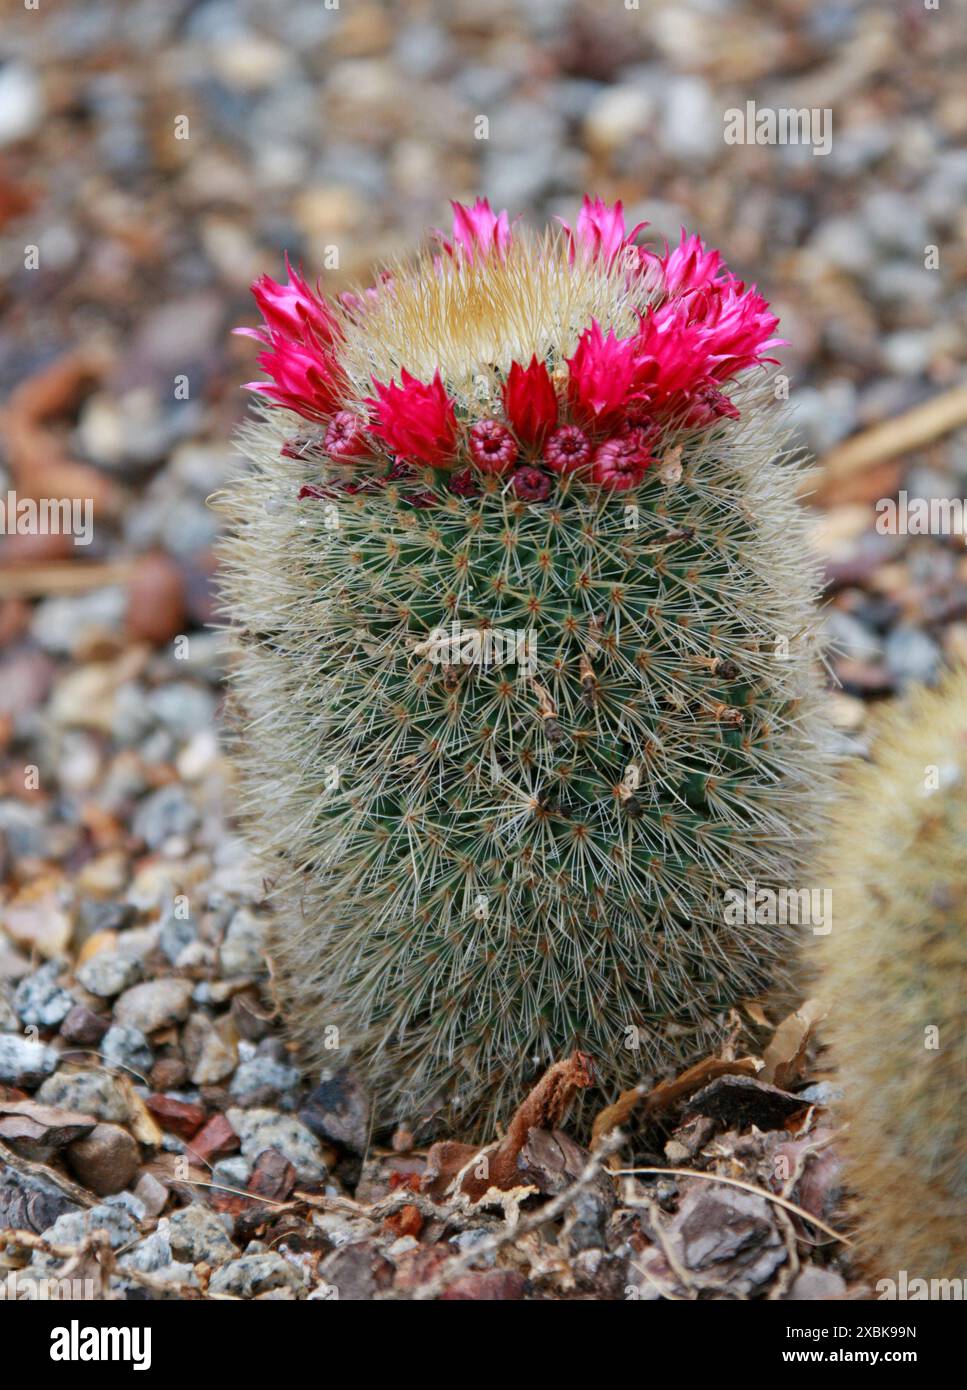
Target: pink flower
(415, 421)
(531, 485)
(477, 229)
(300, 335)
(620, 463)
(603, 375)
(292, 310)
(737, 327)
(305, 378)
(344, 437)
(356, 305)
(530, 401)
(567, 448)
(600, 232)
(688, 267)
(492, 446)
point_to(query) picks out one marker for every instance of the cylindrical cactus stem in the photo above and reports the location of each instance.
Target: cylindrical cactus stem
(894, 978)
(524, 605)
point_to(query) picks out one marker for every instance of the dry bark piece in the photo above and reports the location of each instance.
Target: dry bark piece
(667, 1093)
(43, 1125)
(741, 1101)
(496, 1165)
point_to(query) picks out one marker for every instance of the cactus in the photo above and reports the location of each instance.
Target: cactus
(523, 601)
(894, 978)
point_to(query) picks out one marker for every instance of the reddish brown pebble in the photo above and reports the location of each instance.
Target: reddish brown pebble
(176, 1116)
(408, 1221)
(106, 1160)
(273, 1176)
(156, 599)
(168, 1074)
(83, 1027)
(214, 1140)
(489, 1284)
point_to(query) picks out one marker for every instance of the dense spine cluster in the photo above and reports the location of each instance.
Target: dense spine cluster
(525, 679)
(894, 978)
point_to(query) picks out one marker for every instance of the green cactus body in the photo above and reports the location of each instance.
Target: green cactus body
(480, 864)
(894, 978)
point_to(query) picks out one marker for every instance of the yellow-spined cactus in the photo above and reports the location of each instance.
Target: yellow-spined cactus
(894, 977)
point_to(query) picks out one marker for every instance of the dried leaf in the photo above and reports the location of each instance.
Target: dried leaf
(784, 1056)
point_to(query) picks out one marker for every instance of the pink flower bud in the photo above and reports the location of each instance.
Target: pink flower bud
(567, 448)
(492, 446)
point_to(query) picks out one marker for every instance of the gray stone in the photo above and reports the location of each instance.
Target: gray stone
(154, 1004)
(911, 656)
(255, 1274)
(128, 1048)
(847, 636)
(242, 952)
(95, 1093)
(109, 973)
(177, 933)
(261, 1129)
(40, 1000)
(183, 708)
(25, 1063)
(232, 1172)
(151, 1254)
(115, 1218)
(164, 813)
(263, 1074)
(197, 1234)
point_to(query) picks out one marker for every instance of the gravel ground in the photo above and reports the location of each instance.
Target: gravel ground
(153, 160)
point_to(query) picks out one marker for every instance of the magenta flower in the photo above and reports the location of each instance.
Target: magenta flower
(477, 229)
(415, 421)
(305, 378)
(530, 401)
(688, 267)
(600, 232)
(293, 311)
(531, 485)
(567, 448)
(300, 335)
(492, 446)
(604, 373)
(737, 327)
